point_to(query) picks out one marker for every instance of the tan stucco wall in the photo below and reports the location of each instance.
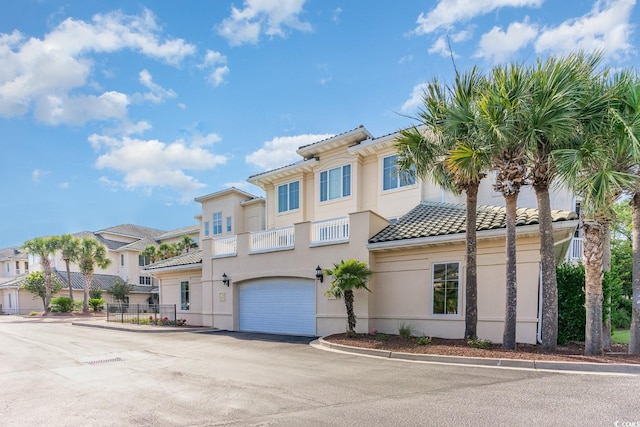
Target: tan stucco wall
(170, 293)
(402, 291)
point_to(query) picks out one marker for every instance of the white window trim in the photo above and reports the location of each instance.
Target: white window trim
(188, 298)
(342, 196)
(399, 187)
(460, 276)
(277, 196)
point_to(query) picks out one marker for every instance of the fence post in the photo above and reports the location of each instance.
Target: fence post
(138, 312)
(121, 314)
(175, 316)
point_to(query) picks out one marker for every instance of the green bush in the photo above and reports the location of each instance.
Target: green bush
(424, 340)
(405, 331)
(479, 343)
(571, 300)
(95, 293)
(96, 304)
(77, 305)
(62, 305)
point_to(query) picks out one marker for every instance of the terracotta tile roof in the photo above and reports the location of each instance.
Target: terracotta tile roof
(430, 219)
(192, 257)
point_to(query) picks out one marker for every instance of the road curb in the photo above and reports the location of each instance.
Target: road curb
(142, 328)
(540, 365)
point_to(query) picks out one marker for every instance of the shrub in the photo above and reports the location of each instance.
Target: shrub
(33, 313)
(95, 293)
(571, 300)
(96, 304)
(405, 331)
(62, 305)
(424, 340)
(479, 343)
(77, 305)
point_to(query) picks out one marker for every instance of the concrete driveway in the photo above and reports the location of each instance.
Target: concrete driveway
(57, 374)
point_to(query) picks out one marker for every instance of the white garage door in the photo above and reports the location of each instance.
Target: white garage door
(278, 306)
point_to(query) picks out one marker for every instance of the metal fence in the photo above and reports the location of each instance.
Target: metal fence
(144, 314)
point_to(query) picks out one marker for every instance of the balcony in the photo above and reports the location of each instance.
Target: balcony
(225, 246)
(575, 251)
(277, 239)
(331, 231)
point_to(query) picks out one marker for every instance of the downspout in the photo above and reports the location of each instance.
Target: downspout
(539, 334)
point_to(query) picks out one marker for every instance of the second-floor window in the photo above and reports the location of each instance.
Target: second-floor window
(335, 183)
(143, 260)
(206, 228)
(391, 177)
(122, 260)
(145, 280)
(289, 196)
(229, 224)
(217, 223)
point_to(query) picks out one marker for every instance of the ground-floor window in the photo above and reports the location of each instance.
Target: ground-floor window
(446, 287)
(184, 295)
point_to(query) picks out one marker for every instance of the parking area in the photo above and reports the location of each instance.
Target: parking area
(60, 374)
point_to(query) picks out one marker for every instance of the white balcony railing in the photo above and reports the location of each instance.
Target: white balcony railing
(575, 252)
(330, 231)
(274, 239)
(225, 246)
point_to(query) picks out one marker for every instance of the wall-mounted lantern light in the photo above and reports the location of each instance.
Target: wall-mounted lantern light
(225, 279)
(319, 274)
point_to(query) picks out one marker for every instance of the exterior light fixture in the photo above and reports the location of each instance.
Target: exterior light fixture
(319, 274)
(225, 279)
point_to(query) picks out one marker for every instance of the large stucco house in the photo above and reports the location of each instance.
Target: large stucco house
(124, 244)
(256, 269)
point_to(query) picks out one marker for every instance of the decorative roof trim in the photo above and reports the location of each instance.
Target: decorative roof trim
(270, 176)
(347, 138)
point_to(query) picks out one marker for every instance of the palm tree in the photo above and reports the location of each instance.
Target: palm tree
(450, 150)
(347, 276)
(43, 248)
(501, 110)
(187, 243)
(560, 103)
(68, 246)
(90, 254)
(601, 169)
(151, 253)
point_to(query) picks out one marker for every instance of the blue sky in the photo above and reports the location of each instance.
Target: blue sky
(118, 112)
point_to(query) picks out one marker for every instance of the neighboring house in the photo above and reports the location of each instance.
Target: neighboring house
(124, 244)
(344, 199)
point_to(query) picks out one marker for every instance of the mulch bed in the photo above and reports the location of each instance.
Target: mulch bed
(572, 352)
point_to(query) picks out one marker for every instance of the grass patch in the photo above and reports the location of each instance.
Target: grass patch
(620, 336)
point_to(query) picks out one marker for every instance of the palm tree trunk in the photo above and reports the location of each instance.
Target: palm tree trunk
(548, 269)
(471, 305)
(66, 262)
(46, 266)
(634, 337)
(510, 316)
(606, 266)
(592, 246)
(351, 317)
(88, 278)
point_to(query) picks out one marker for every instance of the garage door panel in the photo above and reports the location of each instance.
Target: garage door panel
(283, 306)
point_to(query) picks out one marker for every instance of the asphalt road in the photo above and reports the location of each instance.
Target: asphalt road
(57, 374)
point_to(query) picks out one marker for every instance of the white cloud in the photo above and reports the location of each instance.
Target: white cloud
(607, 27)
(441, 47)
(415, 99)
(335, 16)
(281, 150)
(270, 17)
(497, 45)
(157, 93)
(38, 173)
(149, 164)
(216, 61)
(42, 74)
(449, 12)
(406, 59)
(64, 185)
